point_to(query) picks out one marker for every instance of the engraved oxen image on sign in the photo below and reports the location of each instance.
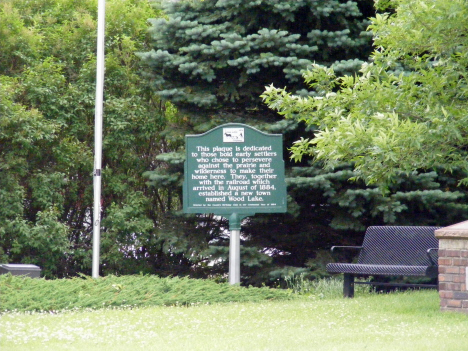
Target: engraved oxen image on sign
(234, 168)
(233, 135)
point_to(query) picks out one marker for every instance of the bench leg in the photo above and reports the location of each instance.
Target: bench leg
(348, 285)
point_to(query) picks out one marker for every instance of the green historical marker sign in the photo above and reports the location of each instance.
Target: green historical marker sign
(234, 169)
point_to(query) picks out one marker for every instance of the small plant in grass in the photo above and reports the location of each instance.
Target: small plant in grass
(325, 288)
(298, 284)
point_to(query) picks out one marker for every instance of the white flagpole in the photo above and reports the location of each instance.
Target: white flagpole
(98, 137)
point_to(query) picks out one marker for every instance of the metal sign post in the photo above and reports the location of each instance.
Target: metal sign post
(234, 248)
(234, 257)
(234, 171)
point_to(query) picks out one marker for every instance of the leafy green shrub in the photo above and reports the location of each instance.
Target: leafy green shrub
(26, 294)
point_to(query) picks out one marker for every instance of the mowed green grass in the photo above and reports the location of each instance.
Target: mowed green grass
(398, 321)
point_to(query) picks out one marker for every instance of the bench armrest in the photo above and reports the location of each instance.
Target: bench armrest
(429, 255)
(345, 247)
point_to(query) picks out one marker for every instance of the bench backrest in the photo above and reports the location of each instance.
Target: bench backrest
(396, 245)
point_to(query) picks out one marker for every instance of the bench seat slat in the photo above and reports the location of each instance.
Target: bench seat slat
(371, 269)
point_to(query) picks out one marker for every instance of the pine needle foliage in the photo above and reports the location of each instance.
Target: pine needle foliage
(26, 294)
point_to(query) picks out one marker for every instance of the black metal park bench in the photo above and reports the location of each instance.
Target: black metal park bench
(391, 251)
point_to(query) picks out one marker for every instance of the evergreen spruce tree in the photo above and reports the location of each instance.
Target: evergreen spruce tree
(212, 59)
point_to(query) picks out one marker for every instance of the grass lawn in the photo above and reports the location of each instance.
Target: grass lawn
(399, 321)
